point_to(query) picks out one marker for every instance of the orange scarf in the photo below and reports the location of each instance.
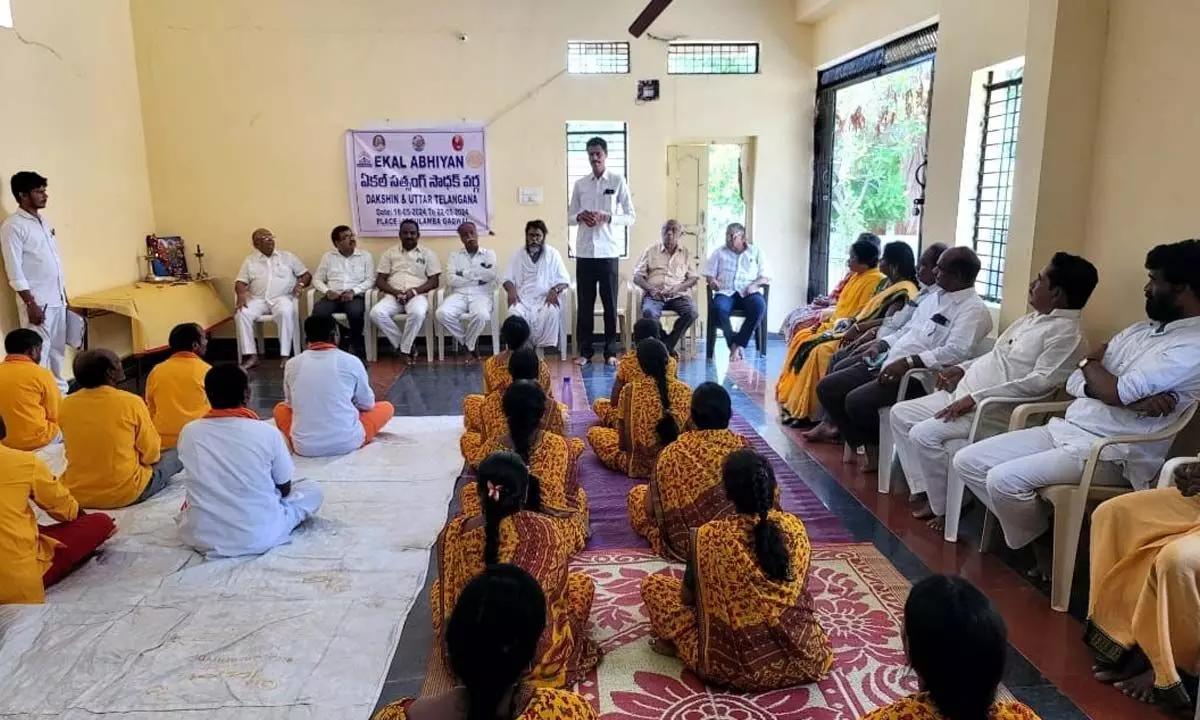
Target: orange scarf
(322, 346)
(241, 412)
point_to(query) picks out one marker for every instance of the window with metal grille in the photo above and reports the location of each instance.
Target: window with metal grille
(598, 58)
(712, 58)
(994, 186)
(578, 134)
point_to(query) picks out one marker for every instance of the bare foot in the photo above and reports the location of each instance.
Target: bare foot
(735, 353)
(1138, 687)
(472, 356)
(408, 358)
(870, 461)
(662, 647)
(251, 362)
(1043, 555)
(916, 497)
(937, 523)
(924, 512)
(822, 433)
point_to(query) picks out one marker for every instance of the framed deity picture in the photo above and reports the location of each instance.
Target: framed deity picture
(166, 257)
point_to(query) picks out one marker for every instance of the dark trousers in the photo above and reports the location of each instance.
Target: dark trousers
(753, 306)
(590, 273)
(356, 311)
(853, 396)
(681, 306)
(841, 360)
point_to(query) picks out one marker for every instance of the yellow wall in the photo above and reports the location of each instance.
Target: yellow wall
(245, 106)
(72, 113)
(847, 27)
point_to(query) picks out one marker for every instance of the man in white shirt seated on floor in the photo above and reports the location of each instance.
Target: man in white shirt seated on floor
(536, 276)
(944, 330)
(407, 273)
(342, 280)
(329, 407)
(472, 277)
(240, 498)
(1034, 356)
(268, 283)
(1138, 383)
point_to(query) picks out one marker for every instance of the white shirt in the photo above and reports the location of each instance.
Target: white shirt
(1147, 360)
(735, 270)
(271, 277)
(608, 193)
(1035, 355)
(31, 258)
(408, 269)
(944, 330)
(473, 274)
(892, 324)
(232, 506)
(534, 279)
(327, 389)
(345, 274)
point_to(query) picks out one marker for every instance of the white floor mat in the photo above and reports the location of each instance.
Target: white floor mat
(148, 629)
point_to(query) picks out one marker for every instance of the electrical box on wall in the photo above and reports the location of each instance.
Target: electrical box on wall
(647, 90)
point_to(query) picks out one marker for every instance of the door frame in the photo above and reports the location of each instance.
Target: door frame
(749, 145)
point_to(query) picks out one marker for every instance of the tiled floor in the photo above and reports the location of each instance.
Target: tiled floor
(1049, 666)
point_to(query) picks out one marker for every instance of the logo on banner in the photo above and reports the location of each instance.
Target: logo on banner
(474, 159)
(418, 143)
(378, 143)
(457, 143)
(364, 160)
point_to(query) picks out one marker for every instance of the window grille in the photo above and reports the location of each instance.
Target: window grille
(712, 58)
(598, 58)
(994, 185)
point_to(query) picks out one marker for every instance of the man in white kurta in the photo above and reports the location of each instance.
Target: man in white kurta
(35, 272)
(1032, 357)
(240, 498)
(1137, 383)
(472, 277)
(268, 283)
(407, 273)
(536, 277)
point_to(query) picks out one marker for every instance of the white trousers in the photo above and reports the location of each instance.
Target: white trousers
(384, 316)
(54, 339)
(544, 320)
(1006, 471)
(466, 316)
(283, 308)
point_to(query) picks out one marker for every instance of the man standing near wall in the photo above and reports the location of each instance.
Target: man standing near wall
(595, 201)
(35, 270)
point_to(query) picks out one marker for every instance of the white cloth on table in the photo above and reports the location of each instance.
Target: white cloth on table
(341, 274)
(608, 193)
(233, 506)
(533, 280)
(285, 310)
(944, 330)
(408, 269)
(270, 277)
(385, 312)
(327, 389)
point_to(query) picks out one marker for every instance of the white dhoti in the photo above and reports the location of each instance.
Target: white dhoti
(283, 308)
(384, 316)
(54, 339)
(1006, 471)
(465, 316)
(545, 321)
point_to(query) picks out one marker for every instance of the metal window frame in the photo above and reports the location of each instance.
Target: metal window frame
(597, 49)
(621, 231)
(674, 51)
(991, 282)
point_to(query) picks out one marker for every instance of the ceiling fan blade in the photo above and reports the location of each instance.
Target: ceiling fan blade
(648, 16)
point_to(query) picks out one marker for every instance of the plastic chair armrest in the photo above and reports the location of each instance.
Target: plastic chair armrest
(1021, 416)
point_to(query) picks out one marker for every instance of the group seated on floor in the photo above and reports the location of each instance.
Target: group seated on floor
(629, 371)
(30, 400)
(175, 387)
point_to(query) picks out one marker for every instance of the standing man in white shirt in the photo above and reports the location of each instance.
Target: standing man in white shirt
(1137, 383)
(342, 280)
(944, 330)
(35, 271)
(536, 277)
(1033, 357)
(407, 273)
(268, 283)
(598, 202)
(473, 281)
(736, 272)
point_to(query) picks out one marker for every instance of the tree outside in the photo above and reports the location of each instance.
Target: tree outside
(725, 201)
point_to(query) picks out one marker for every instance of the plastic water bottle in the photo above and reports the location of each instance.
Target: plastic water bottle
(566, 394)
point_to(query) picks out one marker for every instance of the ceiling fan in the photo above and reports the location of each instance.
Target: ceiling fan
(643, 22)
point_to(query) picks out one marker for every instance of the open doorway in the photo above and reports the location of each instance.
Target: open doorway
(708, 187)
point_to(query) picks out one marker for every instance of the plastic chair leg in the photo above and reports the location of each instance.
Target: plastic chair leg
(1068, 524)
(955, 487)
(887, 452)
(989, 530)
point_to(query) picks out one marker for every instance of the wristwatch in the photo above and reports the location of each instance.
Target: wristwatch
(1084, 362)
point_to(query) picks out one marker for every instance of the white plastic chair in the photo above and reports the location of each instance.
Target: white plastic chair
(259, 341)
(372, 332)
(691, 338)
(499, 300)
(624, 321)
(341, 318)
(1071, 501)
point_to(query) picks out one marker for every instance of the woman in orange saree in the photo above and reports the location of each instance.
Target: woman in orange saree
(491, 640)
(742, 616)
(492, 423)
(628, 372)
(514, 333)
(513, 530)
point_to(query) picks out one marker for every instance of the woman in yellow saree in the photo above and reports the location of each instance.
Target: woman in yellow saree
(513, 530)
(957, 645)
(514, 333)
(808, 361)
(492, 423)
(742, 616)
(491, 642)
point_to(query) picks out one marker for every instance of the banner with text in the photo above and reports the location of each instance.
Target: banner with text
(437, 177)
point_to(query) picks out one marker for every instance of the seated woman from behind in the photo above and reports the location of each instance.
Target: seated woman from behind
(956, 644)
(686, 491)
(628, 371)
(522, 365)
(492, 639)
(549, 456)
(647, 416)
(240, 496)
(514, 334)
(513, 530)
(744, 593)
